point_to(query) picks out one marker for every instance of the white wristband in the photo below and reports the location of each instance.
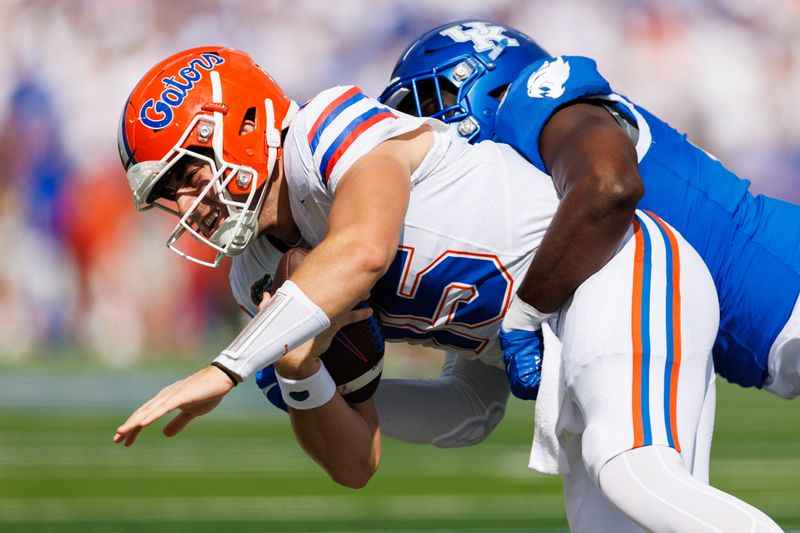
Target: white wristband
(308, 393)
(288, 320)
(521, 315)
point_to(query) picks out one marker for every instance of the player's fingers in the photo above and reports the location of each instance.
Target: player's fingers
(129, 425)
(357, 315)
(136, 417)
(264, 300)
(147, 414)
(177, 424)
(350, 317)
(158, 410)
(131, 429)
(168, 399)
(130, 437)
(127, 433)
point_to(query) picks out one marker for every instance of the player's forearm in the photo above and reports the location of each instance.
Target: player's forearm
(364, 228)
(343, 439)
(594, 166)
(341, 270)
(332, 279)
(584, 234)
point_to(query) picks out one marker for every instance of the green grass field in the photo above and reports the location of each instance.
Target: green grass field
(240, 468)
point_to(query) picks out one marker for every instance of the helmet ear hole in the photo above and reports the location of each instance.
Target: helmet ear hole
(248, 123)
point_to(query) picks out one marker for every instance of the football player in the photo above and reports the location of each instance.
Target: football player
(605, 154)
(438, 232)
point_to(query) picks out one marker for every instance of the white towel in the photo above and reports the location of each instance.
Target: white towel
(547, 453)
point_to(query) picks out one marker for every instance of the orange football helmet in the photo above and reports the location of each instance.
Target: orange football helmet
(193, 105)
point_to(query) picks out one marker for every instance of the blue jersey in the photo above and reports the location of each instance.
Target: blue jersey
(751, 244)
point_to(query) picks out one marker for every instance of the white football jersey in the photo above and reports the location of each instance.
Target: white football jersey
(252, 272)
(475, 217)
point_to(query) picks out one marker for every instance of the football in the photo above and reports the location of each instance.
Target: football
(355, 356)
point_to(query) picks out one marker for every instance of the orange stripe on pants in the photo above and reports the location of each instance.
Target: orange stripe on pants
(636, 331)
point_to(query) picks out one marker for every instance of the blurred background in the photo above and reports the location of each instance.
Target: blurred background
(96, 315)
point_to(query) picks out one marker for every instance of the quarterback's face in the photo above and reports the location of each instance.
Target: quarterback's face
(187, 181)
(186, 185)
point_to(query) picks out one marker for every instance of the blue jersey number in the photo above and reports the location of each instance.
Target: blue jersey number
(457, 293)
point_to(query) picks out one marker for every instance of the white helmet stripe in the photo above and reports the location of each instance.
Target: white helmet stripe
(216, 94)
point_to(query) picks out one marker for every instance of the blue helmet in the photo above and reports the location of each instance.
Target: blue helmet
(458, 73)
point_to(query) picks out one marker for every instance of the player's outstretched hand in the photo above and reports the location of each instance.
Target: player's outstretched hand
(195, 395)
(522, 355)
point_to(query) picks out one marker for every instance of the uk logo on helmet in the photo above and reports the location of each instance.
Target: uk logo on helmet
(483, 36)
(157, 114)
(549, 79)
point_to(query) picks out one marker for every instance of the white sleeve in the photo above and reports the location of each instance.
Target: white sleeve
(462, 406)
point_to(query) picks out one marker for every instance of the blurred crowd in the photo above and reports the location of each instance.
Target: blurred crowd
(81, 269)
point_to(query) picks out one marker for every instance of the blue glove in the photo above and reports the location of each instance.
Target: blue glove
(268, 383)
(522, 354)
